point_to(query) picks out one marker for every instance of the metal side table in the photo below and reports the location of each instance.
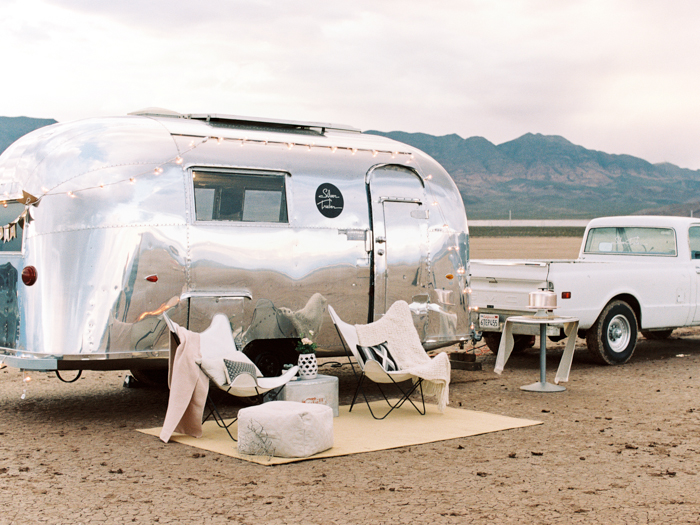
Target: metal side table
(506, 347)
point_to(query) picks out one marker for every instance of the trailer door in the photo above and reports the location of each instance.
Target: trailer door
(400, 227)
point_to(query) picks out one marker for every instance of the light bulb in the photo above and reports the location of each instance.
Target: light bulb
(290, 145)
(374, 152)
(219, 140)
(178, 160)
(333, 148)
(158, 171)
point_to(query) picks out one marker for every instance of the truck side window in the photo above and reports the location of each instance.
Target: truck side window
(239, 195)
(694, 240)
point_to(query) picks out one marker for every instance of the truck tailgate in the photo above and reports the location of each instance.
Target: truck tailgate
(511, 288)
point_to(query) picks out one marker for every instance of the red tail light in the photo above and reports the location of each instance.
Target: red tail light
(29, 275)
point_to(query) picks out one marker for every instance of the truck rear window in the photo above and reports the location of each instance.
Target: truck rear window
(239, 195)
(637, 241)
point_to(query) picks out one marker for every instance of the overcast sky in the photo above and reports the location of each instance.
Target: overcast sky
(619, 76)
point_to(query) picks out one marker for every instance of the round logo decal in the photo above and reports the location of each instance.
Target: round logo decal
(329, 200)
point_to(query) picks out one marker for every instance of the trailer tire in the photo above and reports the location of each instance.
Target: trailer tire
(270, 355)
(613, 337)
(151, 377)
(657, 335)
(521, 342)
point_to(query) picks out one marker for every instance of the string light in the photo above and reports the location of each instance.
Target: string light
(25, 379)
(193, 144)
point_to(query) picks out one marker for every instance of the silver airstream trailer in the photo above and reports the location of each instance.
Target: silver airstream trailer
(108, 222)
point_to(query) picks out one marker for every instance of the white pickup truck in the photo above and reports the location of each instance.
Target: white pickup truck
(634, 273)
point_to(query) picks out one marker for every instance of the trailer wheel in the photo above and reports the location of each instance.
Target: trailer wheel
(657, 335)
(151, 377)
(521, 342)
(270, 355)
(613, 337)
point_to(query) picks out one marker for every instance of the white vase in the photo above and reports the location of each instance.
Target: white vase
(308, 367)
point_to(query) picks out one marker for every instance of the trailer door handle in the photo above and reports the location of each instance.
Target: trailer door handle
(381, 240)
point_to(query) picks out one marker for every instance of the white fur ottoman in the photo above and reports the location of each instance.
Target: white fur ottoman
(285, 429)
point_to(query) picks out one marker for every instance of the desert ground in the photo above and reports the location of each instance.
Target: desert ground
(620, 445)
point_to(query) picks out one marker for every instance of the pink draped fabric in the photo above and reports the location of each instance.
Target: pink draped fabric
(189, 387)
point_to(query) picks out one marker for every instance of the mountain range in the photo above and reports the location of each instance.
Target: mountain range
(532, 177)
(12, 128)
(547, 177)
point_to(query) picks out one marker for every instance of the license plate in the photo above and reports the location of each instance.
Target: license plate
(488, 320)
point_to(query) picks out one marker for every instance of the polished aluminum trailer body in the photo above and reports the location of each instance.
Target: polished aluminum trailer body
(265, 221)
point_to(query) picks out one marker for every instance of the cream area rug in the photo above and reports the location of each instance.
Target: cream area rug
(357, 431)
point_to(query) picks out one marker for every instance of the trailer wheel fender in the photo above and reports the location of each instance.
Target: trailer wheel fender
(613, 337)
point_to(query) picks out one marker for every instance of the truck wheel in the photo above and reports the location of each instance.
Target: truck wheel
(613, 337)
(657, 335)
(521, 342)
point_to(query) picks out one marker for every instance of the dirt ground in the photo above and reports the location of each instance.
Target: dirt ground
(620, 445)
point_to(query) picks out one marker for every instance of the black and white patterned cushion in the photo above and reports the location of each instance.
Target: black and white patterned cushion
(379, 353)
(235, 368)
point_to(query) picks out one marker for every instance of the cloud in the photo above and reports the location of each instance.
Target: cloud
(616, 76)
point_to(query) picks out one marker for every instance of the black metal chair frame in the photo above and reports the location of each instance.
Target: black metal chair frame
(405, 394)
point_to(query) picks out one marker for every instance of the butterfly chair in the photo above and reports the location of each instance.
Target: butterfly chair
(376, 364)
(228, 368)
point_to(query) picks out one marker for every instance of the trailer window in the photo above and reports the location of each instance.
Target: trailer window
(239, 196)
(7, 217)
(632, 241)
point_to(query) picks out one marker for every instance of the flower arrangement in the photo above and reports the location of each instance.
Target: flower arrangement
(306, 345)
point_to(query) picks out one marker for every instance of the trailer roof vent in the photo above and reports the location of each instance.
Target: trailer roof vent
(265, 124)
(156, 112)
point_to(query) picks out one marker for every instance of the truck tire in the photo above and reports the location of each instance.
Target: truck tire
(613, 337)
(657, 335)
(521, 342)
